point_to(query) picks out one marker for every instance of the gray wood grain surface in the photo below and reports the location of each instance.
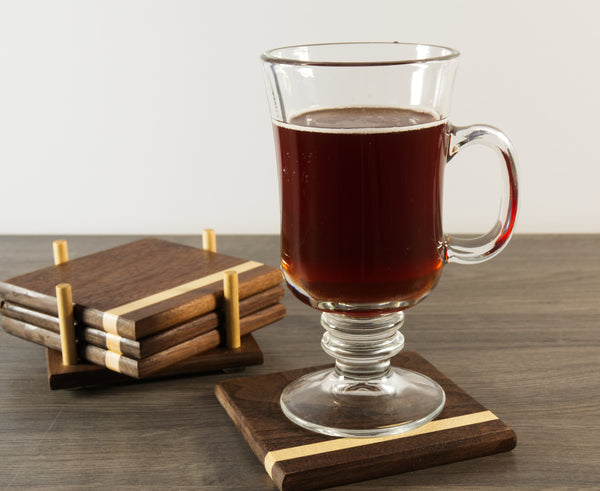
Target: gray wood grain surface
(519, 333)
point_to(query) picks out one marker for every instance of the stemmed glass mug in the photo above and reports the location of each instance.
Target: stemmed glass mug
(362, 138)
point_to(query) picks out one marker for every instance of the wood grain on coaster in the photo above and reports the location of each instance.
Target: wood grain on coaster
(152, 344)
(298, 459)
(153, 364)
(140, 288)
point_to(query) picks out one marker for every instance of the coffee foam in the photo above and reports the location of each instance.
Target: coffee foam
(436, 120)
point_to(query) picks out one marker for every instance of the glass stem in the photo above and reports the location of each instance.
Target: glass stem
(362, 346)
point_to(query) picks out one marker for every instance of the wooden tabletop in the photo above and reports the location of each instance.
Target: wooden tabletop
(520, 333)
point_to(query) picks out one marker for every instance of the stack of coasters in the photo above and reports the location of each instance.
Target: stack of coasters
(144, 307)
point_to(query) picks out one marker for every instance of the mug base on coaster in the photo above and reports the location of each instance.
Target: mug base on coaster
(362, 395)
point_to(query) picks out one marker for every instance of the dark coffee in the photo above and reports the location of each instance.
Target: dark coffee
(361, 196)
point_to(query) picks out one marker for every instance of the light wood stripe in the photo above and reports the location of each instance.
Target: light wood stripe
(113, 343)
(344, 443)
(109, 323)
(111, 361)
(110, 317)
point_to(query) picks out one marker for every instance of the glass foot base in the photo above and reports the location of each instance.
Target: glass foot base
(328, 403)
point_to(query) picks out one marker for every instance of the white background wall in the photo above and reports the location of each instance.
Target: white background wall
(151, 116)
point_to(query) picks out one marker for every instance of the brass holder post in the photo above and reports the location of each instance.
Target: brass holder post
(230, 294)
(64, 300)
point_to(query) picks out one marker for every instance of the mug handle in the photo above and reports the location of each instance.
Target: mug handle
(478, 249)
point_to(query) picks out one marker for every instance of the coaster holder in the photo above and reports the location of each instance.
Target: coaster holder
(64, 300)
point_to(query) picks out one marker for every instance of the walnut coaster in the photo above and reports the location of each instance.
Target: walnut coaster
(297, 459)
(62, 376)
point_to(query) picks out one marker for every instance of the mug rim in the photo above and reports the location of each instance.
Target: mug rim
(446, 54)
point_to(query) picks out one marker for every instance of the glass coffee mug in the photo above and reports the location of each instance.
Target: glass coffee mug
(362, 138)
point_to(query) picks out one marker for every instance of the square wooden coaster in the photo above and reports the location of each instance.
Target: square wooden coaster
(297, 459)
(88, 374)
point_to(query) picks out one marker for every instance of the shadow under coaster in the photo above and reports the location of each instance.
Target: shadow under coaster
(299, 459)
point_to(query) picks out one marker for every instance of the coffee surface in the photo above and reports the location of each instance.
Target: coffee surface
(366, 118)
